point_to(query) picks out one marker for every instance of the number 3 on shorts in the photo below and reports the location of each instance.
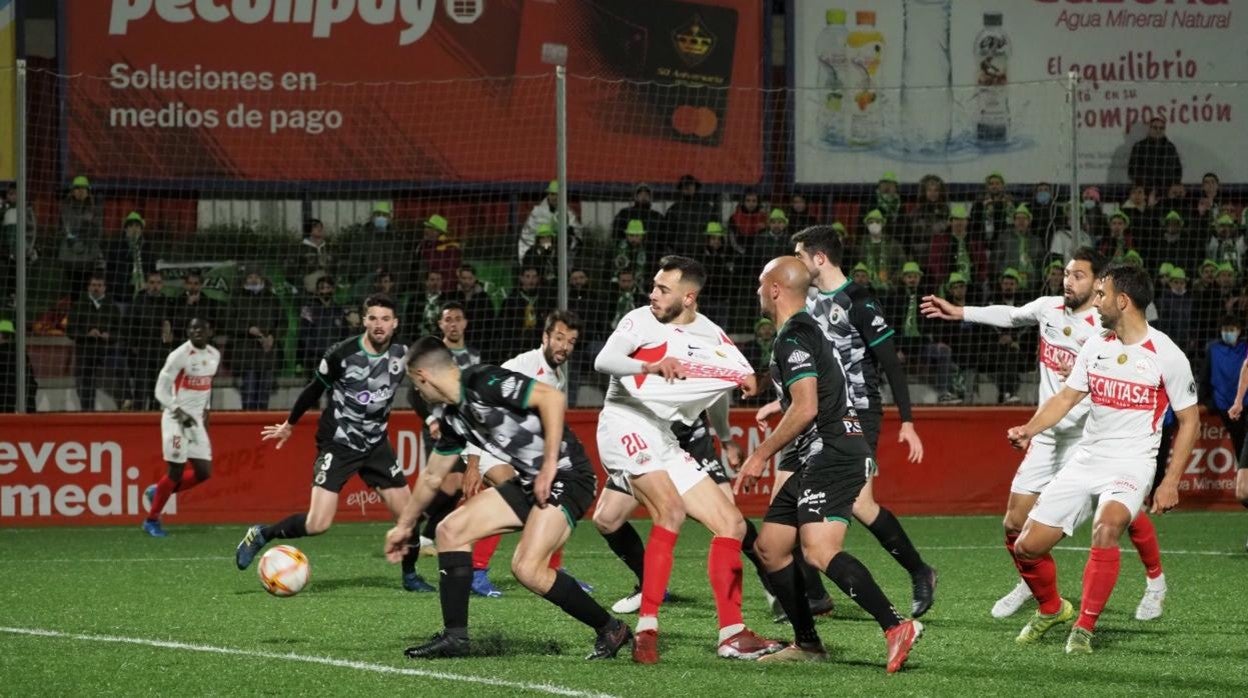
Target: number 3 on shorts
(326, 460)
(633, 443)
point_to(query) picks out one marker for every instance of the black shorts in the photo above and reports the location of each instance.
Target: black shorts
(572, 491)
(377, 467)
(871, 421)
(824, 490)
(702, 449)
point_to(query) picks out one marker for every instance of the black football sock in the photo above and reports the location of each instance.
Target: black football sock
(440, 508)
(810, 577)
(887, 529)
(569, 596)
(454, 586)
(747, 547)
(858, 584)
(413, 553)
(293, 526)
(787, 585)
(627, 546)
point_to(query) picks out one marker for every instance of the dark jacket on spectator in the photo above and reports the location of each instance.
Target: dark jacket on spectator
(86, 315)
(262, 311)
(1155, 163)
(121, 257)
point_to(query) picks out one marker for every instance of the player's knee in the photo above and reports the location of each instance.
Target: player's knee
(730, 524)
(819, 556)
(1241, 490)
(865, 509)
(451, 531)
(1026, 549)
(1105, 534)
(316, 525)
(527, 571)
(1011, 524)
(606, 521)
(669, 513)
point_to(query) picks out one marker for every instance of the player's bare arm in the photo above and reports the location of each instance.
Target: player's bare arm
(551, 405)
(796, 419)
(435, 469)
(472, 476)
(278, 432)
(938, 308)
(1237, 408)
(1048, 415)
(1167, 495)
(765, 413)
(717, 415)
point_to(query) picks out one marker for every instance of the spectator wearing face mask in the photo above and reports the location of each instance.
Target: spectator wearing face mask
(1044, 212)
(1219, 380)
(880, 253)
(378, 246)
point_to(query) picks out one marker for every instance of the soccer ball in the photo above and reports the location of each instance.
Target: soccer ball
(284, 570)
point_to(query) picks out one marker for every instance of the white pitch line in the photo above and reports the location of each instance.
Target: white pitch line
(546, 688)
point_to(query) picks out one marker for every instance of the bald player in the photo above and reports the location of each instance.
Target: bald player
(830, 460)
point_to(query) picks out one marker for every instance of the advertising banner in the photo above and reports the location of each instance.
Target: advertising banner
(8, 94)
(76, 469)
(964, 88)
(411, 90)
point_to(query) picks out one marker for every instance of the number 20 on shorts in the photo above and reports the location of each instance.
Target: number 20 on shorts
(633, 443)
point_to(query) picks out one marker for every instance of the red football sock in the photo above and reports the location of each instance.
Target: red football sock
(556, 558)
(1099, 578)
(1144, 538)
(483, 550)
(164, 489)
(1041, 577)
(189, 480)
(723, 566)
(658, 569)
(1010, 539)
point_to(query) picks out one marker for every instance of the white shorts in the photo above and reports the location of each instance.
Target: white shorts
(1045, 456)
(485, 462)
(631, 445)
(180, 443)
(1066, 502)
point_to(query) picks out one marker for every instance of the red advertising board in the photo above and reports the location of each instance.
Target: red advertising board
(412, 90)
(77, 469)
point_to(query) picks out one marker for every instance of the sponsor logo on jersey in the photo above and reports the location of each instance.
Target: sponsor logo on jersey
(1121, 394)
(1054, 357)
(365, 397)
(511, 387)
(396, 366)
(798, 357)
(878, 321)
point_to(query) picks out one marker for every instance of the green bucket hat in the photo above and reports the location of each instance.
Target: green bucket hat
(996, 174)
(763, 321)
(1224, 219)
(715, 228)
(911, 268)
(1226, 266)
(6, 326)
(1178, 273)
(81, 182)
(553, 187)
(1012, 273)
(1165, 270)
(839, 227)
(438, 223)
(383, 207)
(888, 177)
(958, 211)
(1022, 210)
(133, 217)
(861, 266)
(635, 227)
(1133, 257)
(1208, 263)
(778, 214)
(874, 215)
(956, 278)
(1056, 264)
(1120, 214)
(1174, 216)
(544, 230)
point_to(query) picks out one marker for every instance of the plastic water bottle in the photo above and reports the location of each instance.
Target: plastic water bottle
(833, 72)
(926, 77)
(866, 51)
(992, 56)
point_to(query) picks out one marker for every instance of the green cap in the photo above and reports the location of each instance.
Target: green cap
(1056, 264)
(553, 187)
(1178, 273)
(635, 227)
(544, 230)
(888, 177)
(959, 211)
(956, 278)
(1012, 273)
(1022, 210)
(7, 326)
(996, 174)
(861, 266)
(911, 268)
(874, 215)
(1174, 216)
(1226, 266)
(438, 223)
(1132, 257)
(714, 228)
(1224, 219)
(834, 16)
(839, 227)
(1208, 263)
(1166, 269)
(383, 207)
(1120, 214)
(778, 214)
(763, 321)
(81, 182)
(133, 217)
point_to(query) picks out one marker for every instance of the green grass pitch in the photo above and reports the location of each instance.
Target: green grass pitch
(124, 614)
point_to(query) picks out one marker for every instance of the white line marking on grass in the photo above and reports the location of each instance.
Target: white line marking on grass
(1084, 549)
(550, 689)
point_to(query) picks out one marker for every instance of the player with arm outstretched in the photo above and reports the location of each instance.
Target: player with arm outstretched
(1066, 323)
(547, 364)
(363, 374)
(520, 421)
(184, 391)
(821, 435)
(669, 363)
(1132, 374)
